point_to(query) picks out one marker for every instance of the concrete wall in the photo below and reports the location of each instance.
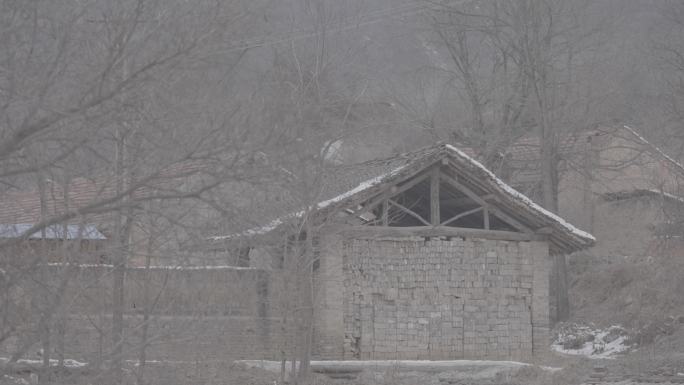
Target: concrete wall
(411, 298)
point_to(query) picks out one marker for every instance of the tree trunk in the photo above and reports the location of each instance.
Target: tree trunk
(117, 318)
(307, 291)
(142, 355)
(122, 235)
(549, 181)
(44, 324)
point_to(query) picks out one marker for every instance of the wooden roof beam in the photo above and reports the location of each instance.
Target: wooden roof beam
(408, 211)
(491, 208)
(370, 232)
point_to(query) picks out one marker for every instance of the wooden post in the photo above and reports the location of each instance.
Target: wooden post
(385, 213)
(434, 197)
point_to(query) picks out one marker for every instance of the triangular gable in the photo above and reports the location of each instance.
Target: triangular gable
(434, 197)
(463, 175)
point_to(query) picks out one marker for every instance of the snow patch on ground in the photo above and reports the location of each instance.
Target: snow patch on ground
(14, 380)
(160, 267)
(416, 365)
(69, 363)
(591, 342)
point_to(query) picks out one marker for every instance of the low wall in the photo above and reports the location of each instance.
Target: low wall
(219, 313)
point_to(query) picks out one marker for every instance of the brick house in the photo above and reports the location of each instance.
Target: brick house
(612, 182)
(83, 239)
(428, 255)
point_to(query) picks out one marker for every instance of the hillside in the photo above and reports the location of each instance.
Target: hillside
(645, 295)
(632, 291)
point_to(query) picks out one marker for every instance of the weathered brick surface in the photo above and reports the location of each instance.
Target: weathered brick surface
(328, 315)
(403, 298)
(411, 298)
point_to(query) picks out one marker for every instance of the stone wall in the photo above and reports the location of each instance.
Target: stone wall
(389, 298)
(412, 298)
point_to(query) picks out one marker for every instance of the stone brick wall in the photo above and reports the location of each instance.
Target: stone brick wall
(389, 298)
(328, 317)
(412, 298)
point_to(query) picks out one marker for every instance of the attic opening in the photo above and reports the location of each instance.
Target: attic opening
(432, 198)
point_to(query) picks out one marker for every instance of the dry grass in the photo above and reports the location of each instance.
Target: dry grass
(634, 292)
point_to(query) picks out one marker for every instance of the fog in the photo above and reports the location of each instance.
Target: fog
(186, 185)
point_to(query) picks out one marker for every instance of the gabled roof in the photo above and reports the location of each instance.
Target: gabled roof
(642, 193)
(653, 149)
(527, 148)
(21, 207)
(364, 181)
(17, 207)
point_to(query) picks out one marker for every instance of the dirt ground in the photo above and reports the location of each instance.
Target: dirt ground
(658, 358)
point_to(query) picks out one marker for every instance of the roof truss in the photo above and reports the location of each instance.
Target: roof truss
(434, 198)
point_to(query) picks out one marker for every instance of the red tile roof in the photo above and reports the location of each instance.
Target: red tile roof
(24, 207)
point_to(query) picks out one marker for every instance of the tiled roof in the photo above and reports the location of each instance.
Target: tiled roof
(639, 193)
(526, 149)
(24, 207)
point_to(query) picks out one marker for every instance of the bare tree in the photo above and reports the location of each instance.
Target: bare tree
(84, 91)
(522, 68)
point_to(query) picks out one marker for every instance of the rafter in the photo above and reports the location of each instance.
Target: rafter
(434, 196)
(424, 231)
(463, 214)
(409, 212)
(498, 213)
(391, 192)
(385, 212)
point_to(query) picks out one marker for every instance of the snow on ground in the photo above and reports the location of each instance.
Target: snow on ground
(409, 365)
(591, 342)
(153, 267)
(69, 363)
(13, 380)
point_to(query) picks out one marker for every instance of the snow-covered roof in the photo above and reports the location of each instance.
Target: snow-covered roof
(639, 193)
(564, 237)
(523, 199)
(85, 232)
(655, 149)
